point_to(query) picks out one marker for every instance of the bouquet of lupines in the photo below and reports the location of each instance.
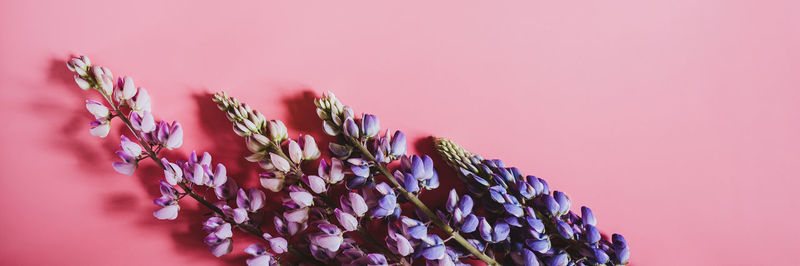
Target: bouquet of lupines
(361, 206)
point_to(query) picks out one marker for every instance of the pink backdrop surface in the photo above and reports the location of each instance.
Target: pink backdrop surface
(676, 121)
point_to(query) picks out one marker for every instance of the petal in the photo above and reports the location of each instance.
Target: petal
(358, 204)
(329, 242)
(295, 153)
(316, 184)
(310, 149)
(346, 220)
(223, 231)
(257, 198)
(240, 215)
(175, 139)
(167, 213)
(100, 130)
(273, 184)
(279, 162)
(128, 88)
(222, 248)
(220, 175)
(302, 198)
(278, 245)
(125, 168)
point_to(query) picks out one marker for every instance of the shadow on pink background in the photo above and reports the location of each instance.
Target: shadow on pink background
(676, 121)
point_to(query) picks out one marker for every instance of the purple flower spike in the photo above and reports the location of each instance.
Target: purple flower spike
(370, 125)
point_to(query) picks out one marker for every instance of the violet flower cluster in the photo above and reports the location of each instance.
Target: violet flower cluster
(361, 205)
(543, 228)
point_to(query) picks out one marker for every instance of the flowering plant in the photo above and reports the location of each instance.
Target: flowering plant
(362, 205)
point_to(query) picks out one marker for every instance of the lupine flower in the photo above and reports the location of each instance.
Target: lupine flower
(126, 89)
(386, 203)
(129, 153)
(498, 232)
(144, 122)
(168, 135)
(370, 126)
(541, 209)
(371, 259)
(310, 149)
(346, 220)
(351, 129)
(260, 255)
(279, 245)
(588, 216)
(295, 152)
(315, 183)
(272, 181)
(227, 191)
(329, 237)
(100, 127)
(354, 203)
(173, 173)
(220, 236)
(621, 249)
(98, 109)
(104, 78)
(277, 131)
(279, 162)
(252, 200)
(398, 243)
(432, 248)
(141, 102)
(301, 197)
(168, 203)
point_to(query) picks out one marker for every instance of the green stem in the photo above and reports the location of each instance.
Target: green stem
(416, 202)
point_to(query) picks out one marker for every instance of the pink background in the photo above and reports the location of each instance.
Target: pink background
(676, 121)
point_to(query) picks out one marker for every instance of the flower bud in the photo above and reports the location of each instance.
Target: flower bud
(277, 131)
(295, 153)
(310, 149)
(350, 128)
(279, 162)
(97, 109)
(370, 125)
(82, 83)
(346, 220)
(128, 89)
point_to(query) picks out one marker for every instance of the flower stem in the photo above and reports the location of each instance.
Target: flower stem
(416, 202)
